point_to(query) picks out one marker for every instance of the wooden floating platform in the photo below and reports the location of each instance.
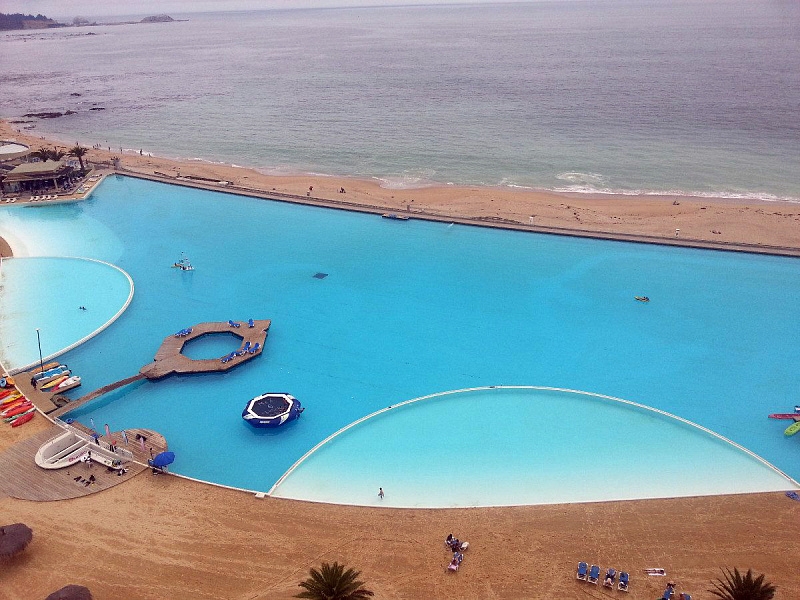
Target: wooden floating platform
(169, 358)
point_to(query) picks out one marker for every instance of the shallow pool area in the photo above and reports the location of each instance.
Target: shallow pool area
(68, 300)
(522, 445)
(410, 309)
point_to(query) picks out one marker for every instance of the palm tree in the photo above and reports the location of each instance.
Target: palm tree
(45, 153)
(736, 587)
(42, 153)
(78, 152)
(332, 582)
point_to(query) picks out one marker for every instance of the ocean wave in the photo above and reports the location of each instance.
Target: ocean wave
(578, 178)
(408, 181)
(712, 195)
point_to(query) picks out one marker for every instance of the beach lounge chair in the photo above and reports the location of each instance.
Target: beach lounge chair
(255, 348)
(624, 579)
(228, 358)
(611, 576)
(233, 324)
(245, 349)
(669, 592)
(594, 574)
(453, 566)
(583, 571)
(251, 323)
(685, 596)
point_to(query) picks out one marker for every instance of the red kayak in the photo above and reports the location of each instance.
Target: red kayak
(16, 409)
(794, 415)
(7, 392)
(23, 419)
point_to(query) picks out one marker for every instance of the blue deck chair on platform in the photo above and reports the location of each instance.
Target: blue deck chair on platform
(594, 574)
(233, 324)
(624, 579)
(583, 570)
(255, 348)
(245, 349)
(251, 323)
(228, 358)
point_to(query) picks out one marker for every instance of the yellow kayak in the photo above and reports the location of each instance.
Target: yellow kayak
(792, 429)
(54, 382)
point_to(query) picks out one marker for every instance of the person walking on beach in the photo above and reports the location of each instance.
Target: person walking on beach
(380, 493)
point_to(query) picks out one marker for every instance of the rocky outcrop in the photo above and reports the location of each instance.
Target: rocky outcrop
(157, 19)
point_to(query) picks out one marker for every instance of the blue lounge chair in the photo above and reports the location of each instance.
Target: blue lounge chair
(594, 574)
(245, 349)
(255, 348)
(228, 358)
(685, 596)
(668, 593)
(251, 323)
(624, 579)
(233, 324)
(583, 570)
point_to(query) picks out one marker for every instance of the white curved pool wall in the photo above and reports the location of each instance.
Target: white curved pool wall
(47, 293)
(521, 446)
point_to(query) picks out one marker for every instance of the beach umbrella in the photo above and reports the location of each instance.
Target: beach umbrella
(71, 592)
(14, 539)
(163, 459)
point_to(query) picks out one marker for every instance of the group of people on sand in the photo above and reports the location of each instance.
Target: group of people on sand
(457, 547)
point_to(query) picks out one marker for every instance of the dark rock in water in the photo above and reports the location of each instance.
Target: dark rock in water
(69, 112)
(75, 94)
(157, 19)
(97, 108)
(44, 115)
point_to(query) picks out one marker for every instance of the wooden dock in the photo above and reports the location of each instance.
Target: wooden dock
(169, 358)
(21, 477)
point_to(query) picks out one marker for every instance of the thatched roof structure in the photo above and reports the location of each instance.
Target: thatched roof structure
(14, 539)
(71, 592)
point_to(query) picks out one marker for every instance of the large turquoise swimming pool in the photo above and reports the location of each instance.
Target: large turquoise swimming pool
(410, 309)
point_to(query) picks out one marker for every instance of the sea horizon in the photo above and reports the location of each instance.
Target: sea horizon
(554, 96)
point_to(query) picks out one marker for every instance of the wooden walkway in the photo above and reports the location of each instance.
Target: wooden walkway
(92, 395)
(21, 477)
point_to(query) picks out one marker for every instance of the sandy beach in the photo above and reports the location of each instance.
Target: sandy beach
(159, 537)
(717, 223)
(169, 538)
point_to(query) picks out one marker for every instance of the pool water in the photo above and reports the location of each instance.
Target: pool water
(494, 447)
(410, 309)
(66, 299)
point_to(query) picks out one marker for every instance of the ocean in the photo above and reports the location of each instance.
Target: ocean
(622, 96)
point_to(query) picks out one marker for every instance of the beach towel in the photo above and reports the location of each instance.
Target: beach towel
(657, 572)
(793, 495)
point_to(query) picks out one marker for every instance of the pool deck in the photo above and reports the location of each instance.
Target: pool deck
(22, 478)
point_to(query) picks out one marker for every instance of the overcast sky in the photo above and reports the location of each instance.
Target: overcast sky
(67, 9)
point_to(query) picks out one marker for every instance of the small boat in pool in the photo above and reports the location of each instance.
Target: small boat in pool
(68, 384)
(272, 410)
(642, 298)
(59, 370)
(54, 382)
(183, 264)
